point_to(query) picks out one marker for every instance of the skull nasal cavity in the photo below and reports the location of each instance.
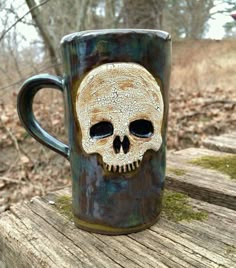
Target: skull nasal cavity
(117, 144)
(125, 144)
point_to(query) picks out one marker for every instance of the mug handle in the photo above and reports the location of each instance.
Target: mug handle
(25, 110)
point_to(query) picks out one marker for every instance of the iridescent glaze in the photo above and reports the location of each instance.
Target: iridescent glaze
(106, 201)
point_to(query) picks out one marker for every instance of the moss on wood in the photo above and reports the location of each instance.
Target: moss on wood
(64, 205)
(177, 171)
(224, 164)
(176, 208)
(230, 250)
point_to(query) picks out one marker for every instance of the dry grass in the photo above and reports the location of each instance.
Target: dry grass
(204, 65)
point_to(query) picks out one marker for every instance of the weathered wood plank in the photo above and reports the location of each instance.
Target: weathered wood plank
(198, 182)
(35, 234)
(224, 143)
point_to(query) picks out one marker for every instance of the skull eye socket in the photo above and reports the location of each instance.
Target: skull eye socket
(101, 130)
(141, 128)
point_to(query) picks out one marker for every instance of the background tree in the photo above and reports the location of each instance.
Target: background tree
(143, 14)
(54, 19)
(184, 18)
(187, 18)
(13, 45)
(57, 19)
(230, 27)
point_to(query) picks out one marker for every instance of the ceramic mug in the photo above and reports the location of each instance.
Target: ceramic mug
(115, 87)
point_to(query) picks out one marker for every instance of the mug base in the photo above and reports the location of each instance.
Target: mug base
(109, 230)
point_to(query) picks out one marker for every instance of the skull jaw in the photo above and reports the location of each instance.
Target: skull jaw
(121, 162)
(123, 168)
(126, 163)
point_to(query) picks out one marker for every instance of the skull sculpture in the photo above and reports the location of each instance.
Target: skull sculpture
(120, 110)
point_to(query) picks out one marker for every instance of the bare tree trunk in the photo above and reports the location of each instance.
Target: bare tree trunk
(187, 18)
(82, 14)
(200, 11)
(110, 14)
(143, 13)
(35, 13)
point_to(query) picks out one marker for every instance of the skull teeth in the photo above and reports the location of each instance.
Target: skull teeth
(130, 167)
(123, 168)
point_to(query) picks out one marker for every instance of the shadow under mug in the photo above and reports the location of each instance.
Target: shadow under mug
(115, 87)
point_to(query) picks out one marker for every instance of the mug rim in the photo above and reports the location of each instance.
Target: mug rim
(72, 36)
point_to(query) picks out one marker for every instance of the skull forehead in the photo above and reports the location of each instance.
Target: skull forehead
(117, 76)
(121, 102)
(124, 88)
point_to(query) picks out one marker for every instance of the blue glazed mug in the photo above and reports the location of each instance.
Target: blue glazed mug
(115, 87)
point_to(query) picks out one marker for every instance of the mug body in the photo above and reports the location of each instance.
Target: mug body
(116, 97)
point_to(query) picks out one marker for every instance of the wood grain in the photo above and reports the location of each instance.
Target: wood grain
(35, 234)
(198, 182)
(224, 143)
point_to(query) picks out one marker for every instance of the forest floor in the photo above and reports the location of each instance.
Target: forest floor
(202, 102)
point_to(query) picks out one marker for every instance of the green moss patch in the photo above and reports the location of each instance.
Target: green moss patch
(230, 250)
(176, 208)
(64, 205)
(177, 171)
(224, 164)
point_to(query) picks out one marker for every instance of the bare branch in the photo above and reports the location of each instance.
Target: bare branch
(45, 34)
(21, 80)
(21, 18)
(82, 14)
(3, 178)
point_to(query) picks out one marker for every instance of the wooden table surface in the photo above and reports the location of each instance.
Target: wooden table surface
(38, 234)
(223, 143)
(35, 234)
(198, 182)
